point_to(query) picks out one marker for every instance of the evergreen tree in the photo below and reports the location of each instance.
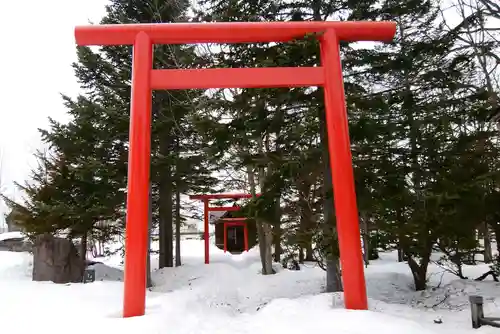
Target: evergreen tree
(405, 104)
(423, 81)
(94, 143)
(275, 113)
(424, 154)
(172, 131)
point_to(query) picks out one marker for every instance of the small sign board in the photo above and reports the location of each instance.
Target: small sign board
(89, 275)
(215, 215)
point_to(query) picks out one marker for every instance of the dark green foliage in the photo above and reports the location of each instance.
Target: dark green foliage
(91, 150)
(426, 160)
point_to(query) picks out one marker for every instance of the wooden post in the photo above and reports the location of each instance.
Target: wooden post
(245, 233)
(145, 78)
(344, 194)
(225, 237)
(477, 313)
(139, 160)
(206, 234)
(366, 238)
(149, 281)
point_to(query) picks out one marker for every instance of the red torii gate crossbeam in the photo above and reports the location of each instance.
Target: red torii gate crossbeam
(145, 79)
(206, 211)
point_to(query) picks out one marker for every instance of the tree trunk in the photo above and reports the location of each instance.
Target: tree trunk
(178, 227)
(400, 254)
(419, 272)
(306, 223)
(496, 230)
(333, 275)
(268, 253)
(267, 230)
(309, 252)
(166, 225)
(488, 254)
(83, 248)
(264, 233)
(366, 238)
(301, 255)
(277, 233)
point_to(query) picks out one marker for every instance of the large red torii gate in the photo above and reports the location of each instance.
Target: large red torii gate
(145, 79)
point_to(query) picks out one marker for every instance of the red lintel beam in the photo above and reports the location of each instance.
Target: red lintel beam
(269, 77)
(224, 208)
(234, 219)
(232, 32)
(221, 196)
(235, 224)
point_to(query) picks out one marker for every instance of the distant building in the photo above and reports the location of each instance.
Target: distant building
(189, 231)
(13, 239)
(189, 228)
(12, 223)
(14, 242)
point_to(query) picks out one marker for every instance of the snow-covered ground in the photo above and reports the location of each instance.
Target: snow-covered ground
(230, 296)
(11, 235)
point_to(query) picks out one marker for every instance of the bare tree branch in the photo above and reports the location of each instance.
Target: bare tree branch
(2, 204)
(480, 40)
(1, 171)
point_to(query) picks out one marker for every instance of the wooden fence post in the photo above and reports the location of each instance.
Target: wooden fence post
(477, 313)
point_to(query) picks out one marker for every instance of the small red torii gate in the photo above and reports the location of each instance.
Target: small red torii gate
(206, 211)
(145, 79)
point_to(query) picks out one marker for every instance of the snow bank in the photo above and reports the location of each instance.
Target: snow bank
(230, 296)
(314, 314)
(304, 315)
(11, 235)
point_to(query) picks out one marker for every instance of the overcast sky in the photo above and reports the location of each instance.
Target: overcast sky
(36, 52)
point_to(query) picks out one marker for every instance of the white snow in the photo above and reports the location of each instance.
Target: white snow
(11, 235)
(230, 296)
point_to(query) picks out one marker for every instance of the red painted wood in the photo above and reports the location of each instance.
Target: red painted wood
(245, 232)
(225, 237)
(339, 147)
(206, 234)
(224, 208)
(232, 32)
(221, 196)
(136, 239)
(142, 36)
(269, 77)
(245, 235)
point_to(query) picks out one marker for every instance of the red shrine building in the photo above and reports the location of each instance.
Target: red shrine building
(233, 232)
(230, 234)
